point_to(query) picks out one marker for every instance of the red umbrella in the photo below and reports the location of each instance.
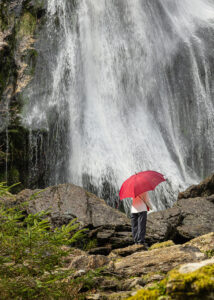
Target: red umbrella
(140, 183)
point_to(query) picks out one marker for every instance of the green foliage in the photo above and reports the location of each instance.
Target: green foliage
(31, 254)
(91, 244)
(34, 195)
(5, 190)
(87, 281)
(209, 253)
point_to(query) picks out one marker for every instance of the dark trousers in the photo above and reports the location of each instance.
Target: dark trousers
(138, 222)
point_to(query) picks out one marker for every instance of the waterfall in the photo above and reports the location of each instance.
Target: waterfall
(123, 86)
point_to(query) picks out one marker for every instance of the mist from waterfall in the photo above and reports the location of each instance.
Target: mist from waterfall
(124, 86)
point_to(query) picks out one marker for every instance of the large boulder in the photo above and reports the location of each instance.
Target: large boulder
(68, 201)
(109, 228)
(187, 219)
(203, 189)
(191, 216)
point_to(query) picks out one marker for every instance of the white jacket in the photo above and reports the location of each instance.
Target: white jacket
(140, 203)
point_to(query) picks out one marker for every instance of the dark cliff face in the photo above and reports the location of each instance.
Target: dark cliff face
(20, 22)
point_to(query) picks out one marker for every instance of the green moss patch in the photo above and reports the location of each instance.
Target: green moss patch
(146, 294)
(195, 285)
(6, 18)
(27, 25)
(162, 245)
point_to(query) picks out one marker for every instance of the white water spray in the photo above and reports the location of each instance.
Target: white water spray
(133, 79)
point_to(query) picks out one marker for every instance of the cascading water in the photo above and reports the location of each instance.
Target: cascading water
(124, 86)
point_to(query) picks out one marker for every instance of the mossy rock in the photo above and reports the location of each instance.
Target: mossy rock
(146, 295)
(27, 25)
(209, 253)
(162, 245)
(21, 21)
(6, 17)
(8, 72)
(194, 285)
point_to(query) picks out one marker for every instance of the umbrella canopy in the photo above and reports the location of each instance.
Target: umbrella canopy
(140, 183)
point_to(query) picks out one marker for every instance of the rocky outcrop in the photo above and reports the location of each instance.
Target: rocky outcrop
(205, 242)
(109, 228)
(178, 285)
(68, 201)
(158, 260)
(19, 21)
(187, 219)
(203, 189)
(131, 271)
(115, 268)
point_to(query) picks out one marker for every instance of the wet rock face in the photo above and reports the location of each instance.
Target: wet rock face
(19, 21)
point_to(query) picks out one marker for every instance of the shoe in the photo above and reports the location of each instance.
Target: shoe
(145, 245)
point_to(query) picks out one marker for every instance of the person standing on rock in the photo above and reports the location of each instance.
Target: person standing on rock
(137, 187)
(140, 206)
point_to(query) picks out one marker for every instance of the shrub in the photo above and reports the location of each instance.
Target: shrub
(31, 254)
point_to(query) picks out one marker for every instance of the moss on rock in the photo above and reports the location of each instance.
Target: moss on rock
(27, 25)
(194, 285)
(19, 22)
(209, 253)
(6, 18)
(17, 158)
(146, 295)
(162, 245)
